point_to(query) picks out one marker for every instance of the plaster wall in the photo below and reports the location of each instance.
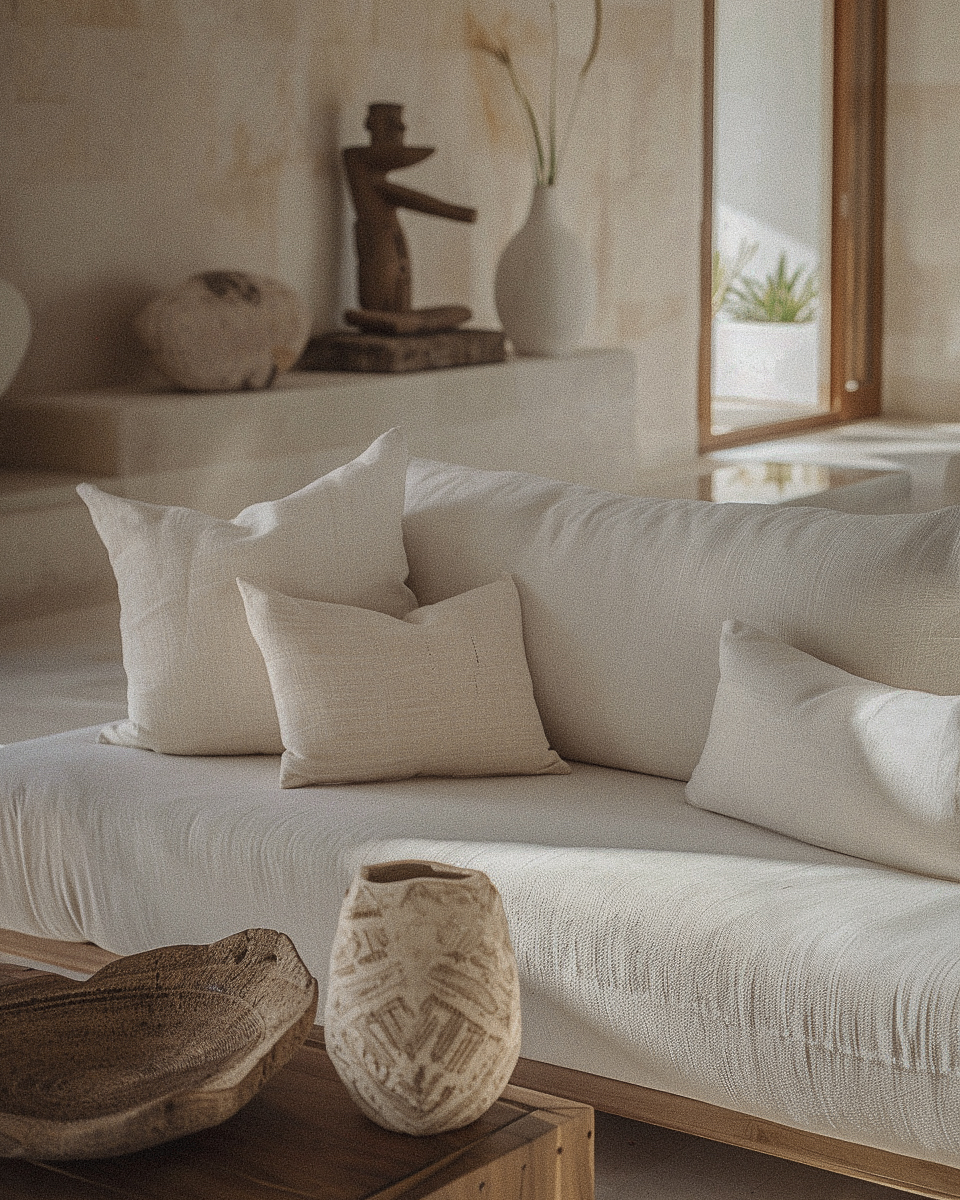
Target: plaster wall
(144, 140)
(922, 285)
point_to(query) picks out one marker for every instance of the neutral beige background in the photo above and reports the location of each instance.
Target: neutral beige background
(142, 140)
(922, 334)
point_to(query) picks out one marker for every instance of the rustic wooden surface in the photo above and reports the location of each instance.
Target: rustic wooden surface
(393, 354)
(149, 1048)
(13, 973)
(717, 1124)
(82, 957)
(417, 320)
(301, 1137)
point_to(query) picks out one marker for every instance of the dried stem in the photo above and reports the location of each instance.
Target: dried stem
(552, 98)
(547, 159)
(584, 71)
(539, 156)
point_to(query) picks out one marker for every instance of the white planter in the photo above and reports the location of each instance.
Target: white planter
(422, 1018)
(545, 288)
(754, 360)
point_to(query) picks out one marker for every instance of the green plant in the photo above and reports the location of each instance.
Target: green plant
(726, 273)
(547, 150)
(783, 296)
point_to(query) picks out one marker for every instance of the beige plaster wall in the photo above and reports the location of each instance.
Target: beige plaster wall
(922, 292)
(143, 140)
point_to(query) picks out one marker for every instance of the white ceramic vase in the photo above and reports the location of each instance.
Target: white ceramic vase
(422, 1018)
(544, 287)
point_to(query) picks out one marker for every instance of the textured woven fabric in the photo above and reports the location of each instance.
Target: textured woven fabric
(196, 682)
(361, 695)
(624, 598)
(805, 748)
(657, 943)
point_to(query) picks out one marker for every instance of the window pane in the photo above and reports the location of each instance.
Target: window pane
(772, 154)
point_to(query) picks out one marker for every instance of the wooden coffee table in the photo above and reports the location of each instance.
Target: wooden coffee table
(302, 1138)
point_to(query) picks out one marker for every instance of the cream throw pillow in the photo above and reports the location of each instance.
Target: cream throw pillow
(809, 750)
(196, 682)
(362, 696)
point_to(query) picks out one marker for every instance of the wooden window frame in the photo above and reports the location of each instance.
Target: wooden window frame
(856, 262)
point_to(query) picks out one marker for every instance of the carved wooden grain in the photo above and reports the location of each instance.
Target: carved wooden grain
(149, 1048)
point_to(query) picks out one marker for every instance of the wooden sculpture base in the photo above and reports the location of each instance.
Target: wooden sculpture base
(414, 320)
(392, 354)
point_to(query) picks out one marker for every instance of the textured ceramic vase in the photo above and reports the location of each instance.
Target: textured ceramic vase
(544, 288)
(422, 1018)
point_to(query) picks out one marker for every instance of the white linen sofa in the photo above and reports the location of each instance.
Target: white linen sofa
(678, 965)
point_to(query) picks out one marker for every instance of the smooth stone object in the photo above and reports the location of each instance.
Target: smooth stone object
(422, 1017)
(224, 331)
(14, 332)
(151, 1047)
(544, 286)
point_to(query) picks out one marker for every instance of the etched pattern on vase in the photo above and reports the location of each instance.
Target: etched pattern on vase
(422, 1017)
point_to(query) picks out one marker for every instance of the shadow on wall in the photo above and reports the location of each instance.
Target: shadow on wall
(85, 334)
(337, 286)
(95, 340)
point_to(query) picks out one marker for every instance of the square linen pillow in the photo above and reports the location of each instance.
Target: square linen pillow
(196, 683)
(363, 696)
(806, 749)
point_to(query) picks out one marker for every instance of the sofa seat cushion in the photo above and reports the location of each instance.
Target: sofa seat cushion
(658, 943)
(624, 598)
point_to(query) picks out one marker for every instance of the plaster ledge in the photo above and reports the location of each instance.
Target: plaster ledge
(577, 418)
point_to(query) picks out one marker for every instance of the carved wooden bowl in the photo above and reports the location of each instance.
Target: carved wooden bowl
(150, 1047)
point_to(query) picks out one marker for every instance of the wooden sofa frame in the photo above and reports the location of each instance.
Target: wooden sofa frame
(625, 1100)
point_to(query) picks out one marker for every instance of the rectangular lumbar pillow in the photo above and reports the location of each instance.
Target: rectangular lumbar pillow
(363, 696)
(804, 748)
(196, 682)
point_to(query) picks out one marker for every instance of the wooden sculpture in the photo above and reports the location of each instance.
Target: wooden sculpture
(394, 336)
(383, 258)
